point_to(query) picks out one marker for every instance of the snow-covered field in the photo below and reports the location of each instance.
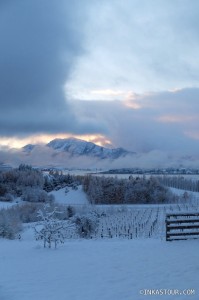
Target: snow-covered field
(180, 192)
(124, 176)
(118, 268)
(97, 269)
(6, 204)
(9, 204)
(73, 197)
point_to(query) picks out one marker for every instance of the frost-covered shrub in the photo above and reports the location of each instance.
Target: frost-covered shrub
(87, 224)
(66, 191)
(62, 212)
(29, 212)
(50, 229)
(10, 224)
(8, 197)
(3, 190)
(75, 187)
(36, 195)
(70, 211)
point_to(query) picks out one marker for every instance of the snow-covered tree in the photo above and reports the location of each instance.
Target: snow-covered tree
(109, 190)
(36, 195)
(10, 224)
(87, 224)
(50, 229)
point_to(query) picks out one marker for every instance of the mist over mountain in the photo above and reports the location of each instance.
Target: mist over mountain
(70, 152)
(75, 153)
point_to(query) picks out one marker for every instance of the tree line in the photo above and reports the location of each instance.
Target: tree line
(135, 190)
(32, 185)
(180, 182)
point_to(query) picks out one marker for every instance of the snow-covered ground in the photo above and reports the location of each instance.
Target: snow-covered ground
(6, 204)
(97, 269)
(181, 192)
(73, 197)
(192, 197)
(9, 204)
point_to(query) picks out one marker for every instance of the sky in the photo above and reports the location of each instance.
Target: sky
(119, 73)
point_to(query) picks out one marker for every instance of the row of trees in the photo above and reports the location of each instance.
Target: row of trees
(111, 190)
(180, 182)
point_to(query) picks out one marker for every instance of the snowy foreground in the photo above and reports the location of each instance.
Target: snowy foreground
(101, 269)
(97, 269)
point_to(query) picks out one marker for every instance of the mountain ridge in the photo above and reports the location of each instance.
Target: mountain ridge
(77, 147)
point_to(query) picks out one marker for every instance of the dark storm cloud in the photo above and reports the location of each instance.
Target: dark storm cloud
(40, 42)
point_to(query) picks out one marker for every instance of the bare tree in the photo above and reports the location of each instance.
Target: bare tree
(50, 229)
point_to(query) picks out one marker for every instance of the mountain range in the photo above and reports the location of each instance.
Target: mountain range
(76, 153)
(76, 148)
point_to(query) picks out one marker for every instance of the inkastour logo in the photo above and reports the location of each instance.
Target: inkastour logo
(169, 292)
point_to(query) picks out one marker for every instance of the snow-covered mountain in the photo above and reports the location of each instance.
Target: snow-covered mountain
(70, 153)
(28, 148)
(77, 147)
(75, 153)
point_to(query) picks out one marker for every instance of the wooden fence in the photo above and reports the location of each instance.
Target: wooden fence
(182, 226)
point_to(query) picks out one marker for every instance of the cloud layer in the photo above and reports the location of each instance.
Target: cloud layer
(55, 54)
(166, 121)
(139, 45)
(40, 42)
